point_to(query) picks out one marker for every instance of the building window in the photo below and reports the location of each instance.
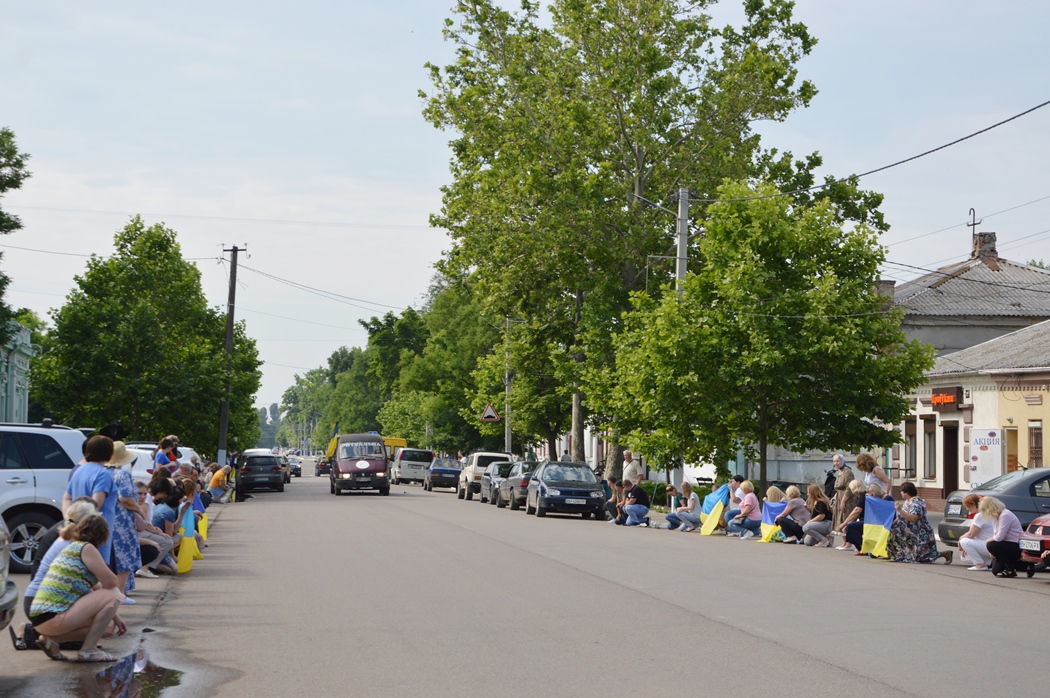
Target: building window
(929, 449)
(1035, 444)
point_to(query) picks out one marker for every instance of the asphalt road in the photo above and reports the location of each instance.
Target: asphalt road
(304, 593)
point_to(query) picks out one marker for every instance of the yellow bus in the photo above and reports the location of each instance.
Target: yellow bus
(392, 444)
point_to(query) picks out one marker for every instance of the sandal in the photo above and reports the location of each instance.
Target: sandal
(51, 649)
(17, 640)
(95, 656)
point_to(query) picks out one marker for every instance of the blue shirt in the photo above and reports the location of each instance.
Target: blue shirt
(161, 513)
(89, 479)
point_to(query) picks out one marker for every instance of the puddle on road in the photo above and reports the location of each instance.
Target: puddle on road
(133, 676)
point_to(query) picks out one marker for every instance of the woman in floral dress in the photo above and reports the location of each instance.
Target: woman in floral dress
(126, 554)
(911, 536)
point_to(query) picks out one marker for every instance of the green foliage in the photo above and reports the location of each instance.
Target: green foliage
(136, 342)
(781, 337)
(269, 425)
(12, 173)
(657, 492)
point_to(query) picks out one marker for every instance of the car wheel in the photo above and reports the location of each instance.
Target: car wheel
(26, 531)
(494, 499)
(386, 492)
(540, 511)
(459, 492)
(331, 484)
(529, 511)
(500, 501)
(469, 493)
(481, 496)
(280, 487)
(514, 503)
(586, 514)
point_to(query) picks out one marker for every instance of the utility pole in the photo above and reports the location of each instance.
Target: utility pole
(683, 238)
(506, 384)
(224, 412)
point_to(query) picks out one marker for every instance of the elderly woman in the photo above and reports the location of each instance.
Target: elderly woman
(874, 474)
(911, 535)
(748, 522)
(843, 501)
(1004, 545)
(974, 543)
(67, 607)
(794, 516)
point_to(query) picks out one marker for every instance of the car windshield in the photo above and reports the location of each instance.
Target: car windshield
(568, 473)
(262, 460)
(416, 456)
(485, 461)
(446, 463)
(361, 449)
(1002, 482)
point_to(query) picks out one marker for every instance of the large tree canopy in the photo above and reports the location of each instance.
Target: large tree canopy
(136, 342)
(12, 173)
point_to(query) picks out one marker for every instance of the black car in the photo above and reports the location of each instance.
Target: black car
(323, 467)
(1024, 492)
(494, 474)
(516, 485)
(567, 488)
(296, 466)
(443, 472)
(258, 472)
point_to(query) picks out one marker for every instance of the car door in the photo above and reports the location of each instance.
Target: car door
(17, 484)
(1040, 491)
(51, 466)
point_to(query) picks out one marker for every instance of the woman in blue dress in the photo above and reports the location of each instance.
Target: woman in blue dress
(126, 554)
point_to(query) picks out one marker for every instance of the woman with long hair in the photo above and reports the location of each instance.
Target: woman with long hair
(66, 607)
(817, 530)
(874, 475)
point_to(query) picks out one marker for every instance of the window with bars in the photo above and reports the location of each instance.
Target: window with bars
(1035, 444)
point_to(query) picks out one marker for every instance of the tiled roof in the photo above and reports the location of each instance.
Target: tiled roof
(1028, 348)
(984, 286)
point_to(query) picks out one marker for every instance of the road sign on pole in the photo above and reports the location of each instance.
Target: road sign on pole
(489, 415)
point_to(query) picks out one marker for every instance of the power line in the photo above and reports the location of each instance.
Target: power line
(339, 298)
(295, 319)
(989, 215)
(79, 254)
(301, 368)
(884, 167)
(228, 219)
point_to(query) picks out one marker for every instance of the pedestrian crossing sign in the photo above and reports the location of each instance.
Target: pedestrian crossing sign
(489, 415)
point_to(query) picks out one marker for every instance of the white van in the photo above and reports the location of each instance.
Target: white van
(410, 465)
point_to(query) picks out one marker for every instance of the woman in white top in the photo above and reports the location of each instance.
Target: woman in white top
(874, 475)
(974, 543)
(689, 512)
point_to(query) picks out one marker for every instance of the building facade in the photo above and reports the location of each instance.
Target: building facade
(15, 374)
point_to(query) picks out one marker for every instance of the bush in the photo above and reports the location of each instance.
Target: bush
(657, 492)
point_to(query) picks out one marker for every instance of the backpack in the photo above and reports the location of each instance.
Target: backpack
(829, 483)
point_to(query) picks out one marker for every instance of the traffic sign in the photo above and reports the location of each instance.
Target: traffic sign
(489, 415)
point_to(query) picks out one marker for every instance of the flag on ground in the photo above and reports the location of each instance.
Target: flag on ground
(878, 518)
(770, 512)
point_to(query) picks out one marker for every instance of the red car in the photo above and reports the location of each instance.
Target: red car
(1035, 540)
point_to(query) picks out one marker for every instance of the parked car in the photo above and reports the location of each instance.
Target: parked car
(258, 471)
(1036, 539)
(515, 487)
(323, 467)
(470, 476)
(567, 488)
(360, 464)
(410, 465)
(296, 466)
(8, 590)
(36, 460)
(287, 465)
(491, 478)
(1024, 492)
(443, 472)
(141, 468)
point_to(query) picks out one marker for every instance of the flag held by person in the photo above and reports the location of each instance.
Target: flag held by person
(711, 509)
(878, 519)
(770, 512)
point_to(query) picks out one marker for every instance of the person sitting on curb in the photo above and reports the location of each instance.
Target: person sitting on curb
(151, 535)
(748, 522)
(687, 514)
(636, 504)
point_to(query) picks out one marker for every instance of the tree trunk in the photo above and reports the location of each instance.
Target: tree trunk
(579, 453)
(552, 443)
(763, 441)
(614, 461)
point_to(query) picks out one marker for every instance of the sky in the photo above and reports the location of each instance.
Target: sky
(295, 129)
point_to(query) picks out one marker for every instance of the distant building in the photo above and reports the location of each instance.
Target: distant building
(14, 374)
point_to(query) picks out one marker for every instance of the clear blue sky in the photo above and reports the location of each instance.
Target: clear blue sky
(309, 112)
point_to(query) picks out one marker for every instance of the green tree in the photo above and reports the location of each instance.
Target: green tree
(781, 337)
(356, 399)
(136, 342)
(12, 173)
(392, 341)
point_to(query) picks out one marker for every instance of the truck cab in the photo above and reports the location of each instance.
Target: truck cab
(360, 463)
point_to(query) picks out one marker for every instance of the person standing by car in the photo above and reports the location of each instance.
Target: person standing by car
(636, 504)
(974, 543)
(1004, 545)
(164, 458)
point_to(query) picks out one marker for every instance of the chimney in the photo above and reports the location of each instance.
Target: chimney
(984, 246)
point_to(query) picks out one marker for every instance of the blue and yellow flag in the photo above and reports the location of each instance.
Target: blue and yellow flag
(712, 508)
(878, 518)
(770, 512)
(333, 442)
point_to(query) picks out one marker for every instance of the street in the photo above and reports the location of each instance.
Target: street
(303, 593)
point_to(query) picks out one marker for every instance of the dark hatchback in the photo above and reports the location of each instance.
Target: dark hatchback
(323, 467)
(258, 472)
(443, 472)
(494, 474)
(515, 487)
(566, 488)
(1024, 492)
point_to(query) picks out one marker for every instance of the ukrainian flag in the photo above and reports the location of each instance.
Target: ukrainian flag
(878, 518)
(333, 443)
(712, 508)
(770, 512)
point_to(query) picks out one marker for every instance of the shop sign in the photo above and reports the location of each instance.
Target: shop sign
(946, 399)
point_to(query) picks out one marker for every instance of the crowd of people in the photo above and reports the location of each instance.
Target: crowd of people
(113, 531)
(991, 543)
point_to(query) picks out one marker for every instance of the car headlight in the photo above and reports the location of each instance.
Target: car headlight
(552, 493)
(380, 474)
(597, 493)
(345, 476)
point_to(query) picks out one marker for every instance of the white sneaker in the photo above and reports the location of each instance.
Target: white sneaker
(977, 568)
(747, 534)
(128, 601)
(146, 574)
